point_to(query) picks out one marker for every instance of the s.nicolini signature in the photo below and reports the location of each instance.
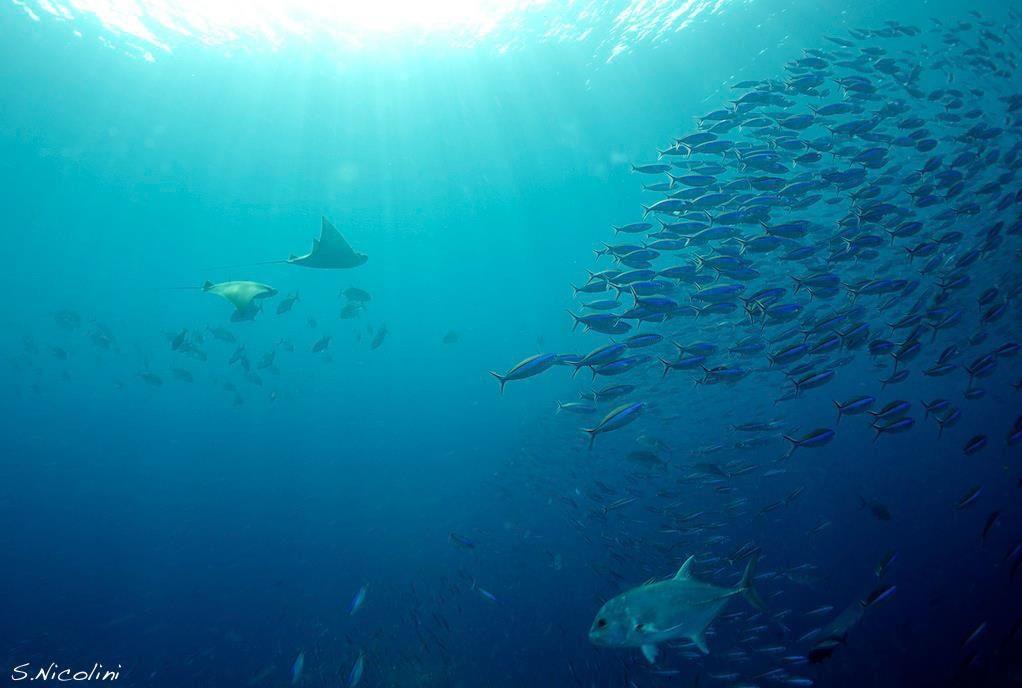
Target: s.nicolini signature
(55, 672)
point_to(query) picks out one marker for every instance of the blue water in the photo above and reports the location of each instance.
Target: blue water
(207, 533)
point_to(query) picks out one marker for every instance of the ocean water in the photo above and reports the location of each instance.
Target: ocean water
(169, 514)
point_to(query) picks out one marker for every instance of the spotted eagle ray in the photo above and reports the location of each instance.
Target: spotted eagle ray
(241, 294)
(330, 252)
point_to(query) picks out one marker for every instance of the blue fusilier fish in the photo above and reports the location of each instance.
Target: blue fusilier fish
(297, 668)
(816, 438)
(634, 228)
(680, 607)
(639, 341)
(892, 427)
(581, 408)
(462, 541)
(599, 322)
(618, 418)
(485, 593)
(608, 393)
(358, 600)
(975, 444)
(601, 356)
(684, 363)
(533, 365)
(355, 675)
(969, 498)
(651, 169)
(854, 406)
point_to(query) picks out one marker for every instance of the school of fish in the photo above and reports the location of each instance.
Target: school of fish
(860, 212)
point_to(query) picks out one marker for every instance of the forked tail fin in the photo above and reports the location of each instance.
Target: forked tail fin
(574, 317)
(745, 586)
(501, 379)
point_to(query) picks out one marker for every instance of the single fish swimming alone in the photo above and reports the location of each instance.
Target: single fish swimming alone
(461, 541)
(357, 669)
(527, 368)
(330, 251)
(358, 600)
(297, 668)
(240, 293)
(681, 607)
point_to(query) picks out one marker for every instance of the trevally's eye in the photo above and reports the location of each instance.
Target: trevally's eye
(639, 627)
(601, 623)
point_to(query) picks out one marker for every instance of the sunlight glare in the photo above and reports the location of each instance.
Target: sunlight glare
(145, 27)
(353, 23)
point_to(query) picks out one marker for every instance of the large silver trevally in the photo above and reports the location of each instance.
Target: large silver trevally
(680, 607)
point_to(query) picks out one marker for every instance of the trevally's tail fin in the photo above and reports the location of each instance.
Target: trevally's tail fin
(745, 586)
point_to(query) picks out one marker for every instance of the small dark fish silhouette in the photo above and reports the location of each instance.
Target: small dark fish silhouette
(461, 541)
(989, 525)
(878, 509)
(378, 338)
(878, 595)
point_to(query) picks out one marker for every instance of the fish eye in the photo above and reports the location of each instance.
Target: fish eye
(601, 623)
(639, 627)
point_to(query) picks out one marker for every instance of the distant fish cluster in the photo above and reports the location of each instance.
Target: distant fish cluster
(331, 252)
(192, 345)
(862, 209)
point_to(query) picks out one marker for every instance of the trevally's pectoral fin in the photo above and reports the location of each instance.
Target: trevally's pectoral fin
(650, 652)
